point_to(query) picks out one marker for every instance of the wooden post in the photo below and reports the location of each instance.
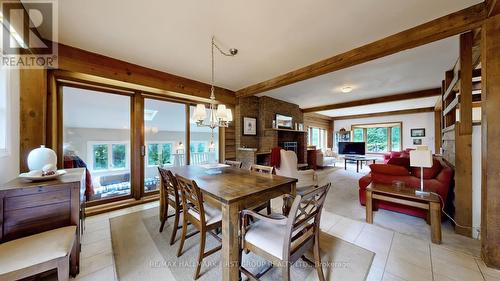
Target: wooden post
(33, 107)
(463, 141)
(490, 96)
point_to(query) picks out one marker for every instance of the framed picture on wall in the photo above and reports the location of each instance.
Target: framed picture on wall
(249, 126)
(284, 122)
(418, 133)
(417, 141)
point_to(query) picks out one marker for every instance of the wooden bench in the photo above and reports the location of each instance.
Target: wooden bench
(37, 253)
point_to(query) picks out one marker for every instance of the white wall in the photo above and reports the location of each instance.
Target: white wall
(9, 163)
(410, 121)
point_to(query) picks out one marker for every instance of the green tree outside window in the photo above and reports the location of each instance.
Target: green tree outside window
(118, 155)
(100, 156)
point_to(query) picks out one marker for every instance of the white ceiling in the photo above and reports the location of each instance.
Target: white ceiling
(382, 107)
(90, 109)
(273, 37)
(411, 70)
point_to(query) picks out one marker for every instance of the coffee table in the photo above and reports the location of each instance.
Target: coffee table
(359, 160)
(406, 196)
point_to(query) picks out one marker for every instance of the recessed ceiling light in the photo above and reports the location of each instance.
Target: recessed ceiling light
(346, 89)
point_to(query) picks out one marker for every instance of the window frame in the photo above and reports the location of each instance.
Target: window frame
(90, 156)
(322, 137)
(6, 151)
(388, 126)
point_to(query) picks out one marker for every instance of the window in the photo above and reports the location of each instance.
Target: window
(376, 139)
(318, 137)
(198, 147)
(4, 83)
(159, 154)
(108, 156)
(379, 138)
(396, 138)
(358, 135)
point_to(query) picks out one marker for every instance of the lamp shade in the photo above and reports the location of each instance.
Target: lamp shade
(221, 112)
(199, 112)
(229, 115)
(421, 157)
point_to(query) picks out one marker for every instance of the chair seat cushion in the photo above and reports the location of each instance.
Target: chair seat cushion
(31, 250)
(212, 215)
(268, 237)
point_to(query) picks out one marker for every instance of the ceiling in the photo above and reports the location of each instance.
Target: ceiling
(90, 109)
(273, 37)
(416, 69)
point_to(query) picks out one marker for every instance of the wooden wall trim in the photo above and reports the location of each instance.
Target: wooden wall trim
(397, 97)
(431, 31)
(388, 113)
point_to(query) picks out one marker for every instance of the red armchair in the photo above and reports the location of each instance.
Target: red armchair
(437, 179)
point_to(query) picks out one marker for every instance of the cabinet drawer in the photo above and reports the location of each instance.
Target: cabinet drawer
(46, 197)
(37, 214)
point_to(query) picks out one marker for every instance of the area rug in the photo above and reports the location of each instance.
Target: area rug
(343, 200)
(142, 253)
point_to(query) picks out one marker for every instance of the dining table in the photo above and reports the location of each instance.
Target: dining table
(233, 190)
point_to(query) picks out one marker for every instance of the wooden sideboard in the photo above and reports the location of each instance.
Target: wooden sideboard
(28, 208)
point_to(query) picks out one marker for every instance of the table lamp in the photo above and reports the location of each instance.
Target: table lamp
(421, 157)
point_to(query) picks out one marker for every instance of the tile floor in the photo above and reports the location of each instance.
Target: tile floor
(397, 256)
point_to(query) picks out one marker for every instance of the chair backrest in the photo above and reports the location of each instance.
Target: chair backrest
(261, 169)
(304, 220)
(288, 165)
(234, 164)
(170, 184)
(192, 198)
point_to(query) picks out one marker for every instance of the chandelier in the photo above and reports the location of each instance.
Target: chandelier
(218, 115)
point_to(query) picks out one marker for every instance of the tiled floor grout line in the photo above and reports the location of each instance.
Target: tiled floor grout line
(480, 271)
(432, 267)
(388, 253)
(359, 234)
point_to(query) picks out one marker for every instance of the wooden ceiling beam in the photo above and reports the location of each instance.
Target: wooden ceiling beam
(443, 27)
(388, 113)
(398, 97)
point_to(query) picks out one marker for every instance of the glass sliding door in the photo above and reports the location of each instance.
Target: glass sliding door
(96, 135)
(164, 138)
(202, 151)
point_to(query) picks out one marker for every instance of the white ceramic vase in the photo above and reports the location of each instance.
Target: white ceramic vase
(40, 157)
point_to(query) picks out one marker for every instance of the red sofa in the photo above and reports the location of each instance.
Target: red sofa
(438, 178)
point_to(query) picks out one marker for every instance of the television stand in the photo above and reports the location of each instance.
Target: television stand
(359, 160)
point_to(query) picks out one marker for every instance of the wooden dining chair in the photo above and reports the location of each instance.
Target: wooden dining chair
(202, 216)
(263, 170)
(169, 196)
(234, 164)
(284, 239)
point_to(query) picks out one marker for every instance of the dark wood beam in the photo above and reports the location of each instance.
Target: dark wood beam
(493, 7)
(388, 113)
(463, 140)
(490, 145)
(84, 62)
(398, 97)
(443, 27)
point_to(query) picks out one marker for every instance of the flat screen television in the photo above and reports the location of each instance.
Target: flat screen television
(357, 148)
